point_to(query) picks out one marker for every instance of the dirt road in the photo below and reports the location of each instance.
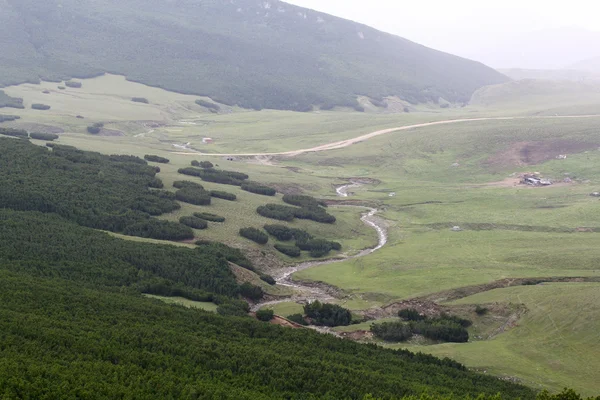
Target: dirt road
(348, 142)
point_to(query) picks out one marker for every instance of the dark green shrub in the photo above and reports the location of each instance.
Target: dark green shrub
(156, 183)
(140, 100)
(193, 222)
(255, 235)
(281, 232)
(190, 195)
(202, 164)
(229, 253)
(73, 84)
(94, 130)
(303, 201)
(297, 318)
(318, 247)
(265, 315)
(14, 132)
(216, 176)
(38, 106)
(157, 159)
(328, 314)
(208, 104)
(231, 310)
(209, 217)
(314, 214)
(257, 188)
(12, 102)
(8, 118)
(268, 279)
(291, 251)
(392, 331)
(223, 195)
(251, 291)
(43, 136)
(410, 314)
(61, 87)
(187, 185)
(440, 329)
(127, 159)
(162, 230)
(277, 211)
(479, 310)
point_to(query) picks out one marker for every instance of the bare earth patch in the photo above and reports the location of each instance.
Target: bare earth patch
(532, 153)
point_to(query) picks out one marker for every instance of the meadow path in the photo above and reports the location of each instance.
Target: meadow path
(348, 142)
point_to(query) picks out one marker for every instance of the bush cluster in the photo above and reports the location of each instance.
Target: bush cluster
(216, 176)
(193, 222)
(202, 164)
(251, 291)
(288, 213)
(288, 250)
(14, 132)
(162, 230)
(229, 253)
(156, 159)
(297, 318)
(156, 183)
(268, 279)
(303, 201)
(209, 217)
(445, 328)
(194, 196)
(43, 136)
(96, 128)
(255, 235)
(187, 185)
(140, 100)
(325, 314)
(277, 211)
(8, 118)
(38, 106)
(257, 188)
(318, 247)
(73, 84)
(223, 195)
(265, 315)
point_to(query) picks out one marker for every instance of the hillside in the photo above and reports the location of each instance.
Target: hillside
(573, 74)
(550, 97)
(257, 54)
(74, 324)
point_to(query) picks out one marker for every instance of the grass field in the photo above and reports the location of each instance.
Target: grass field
(185, 302)
(554, 345)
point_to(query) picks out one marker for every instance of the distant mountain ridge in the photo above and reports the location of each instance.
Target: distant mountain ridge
(256, 54)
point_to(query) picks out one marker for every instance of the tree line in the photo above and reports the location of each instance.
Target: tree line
(112, 192)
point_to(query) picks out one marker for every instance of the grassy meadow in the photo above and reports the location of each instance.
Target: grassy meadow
(554, 345)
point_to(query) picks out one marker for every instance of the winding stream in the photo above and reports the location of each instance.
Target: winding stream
(310, 292)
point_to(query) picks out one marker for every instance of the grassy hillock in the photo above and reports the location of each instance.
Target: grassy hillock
(281, 56)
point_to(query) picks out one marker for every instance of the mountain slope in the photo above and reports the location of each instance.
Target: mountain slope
(257, 54)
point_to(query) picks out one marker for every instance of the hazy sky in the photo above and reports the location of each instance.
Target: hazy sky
(467, 27)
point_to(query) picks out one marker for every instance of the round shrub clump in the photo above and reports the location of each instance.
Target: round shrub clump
(193, 222)
(255, 235)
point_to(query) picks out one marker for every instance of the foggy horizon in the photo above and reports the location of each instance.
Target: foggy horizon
(516, 34)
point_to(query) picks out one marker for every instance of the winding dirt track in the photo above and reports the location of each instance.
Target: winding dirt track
(348, 142)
